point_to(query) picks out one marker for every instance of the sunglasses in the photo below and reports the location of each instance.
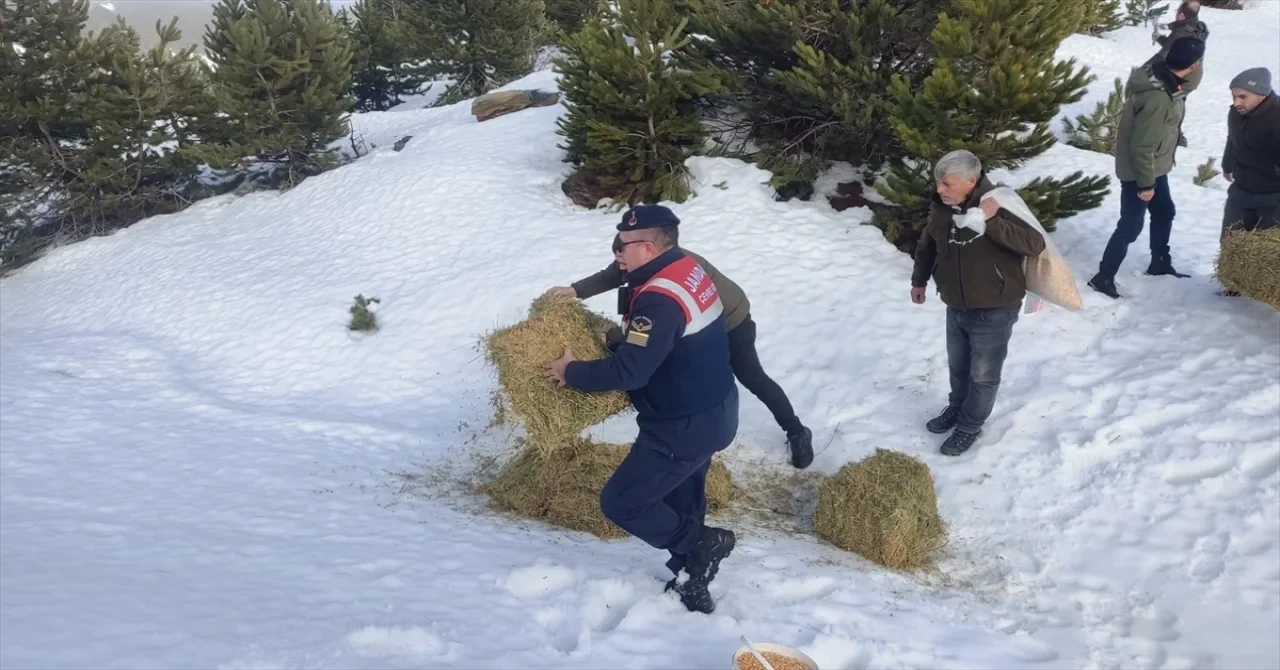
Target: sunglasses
(619, 245)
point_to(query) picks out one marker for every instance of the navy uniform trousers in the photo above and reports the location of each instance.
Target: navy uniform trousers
(659, 492)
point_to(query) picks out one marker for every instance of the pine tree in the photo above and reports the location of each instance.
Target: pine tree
(383, 63)
(631, 121)
(42, 65)
(1138, 12)
(141, 108)
(479, 44)
(95, 134)
(994, 85)
(1097, 131)
(1102, 16)
(993, 89)
(807, 80)
(280, 75)
(570, 15)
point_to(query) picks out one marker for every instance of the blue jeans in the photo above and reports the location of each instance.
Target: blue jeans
(977, 343)
(1133, 213)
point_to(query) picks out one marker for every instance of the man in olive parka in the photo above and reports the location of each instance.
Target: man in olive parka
(1146, 145)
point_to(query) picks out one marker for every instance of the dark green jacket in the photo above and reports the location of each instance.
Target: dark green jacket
(736, 306)
(975, 271)
(1252, 156)
(1147, 139)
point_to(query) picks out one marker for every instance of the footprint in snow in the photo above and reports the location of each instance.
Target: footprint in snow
(1207, 559)
(1030, 650)
(564, 630)
(1259, 466)
(1155, 623)
(837, 651)
(608, 603)
(796, 591)
(413, 642)
(1191, 472)
(539, 581)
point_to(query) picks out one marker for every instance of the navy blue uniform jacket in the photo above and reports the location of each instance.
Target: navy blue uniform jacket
(674, 376)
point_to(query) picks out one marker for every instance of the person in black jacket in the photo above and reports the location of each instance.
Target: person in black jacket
(1251, 160)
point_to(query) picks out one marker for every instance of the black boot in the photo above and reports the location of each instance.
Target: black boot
(1104, 285)
(945, 421)
(676, 563)
(800, 442)
(694, 595)
(959, 442)
(1163, 265)
(714, 545)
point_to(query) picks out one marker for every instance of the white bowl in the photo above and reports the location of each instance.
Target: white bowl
(779, 649)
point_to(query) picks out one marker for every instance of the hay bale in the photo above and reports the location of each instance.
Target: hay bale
(883, 508)
(552, 415)
(563, 487)
(1249, 264)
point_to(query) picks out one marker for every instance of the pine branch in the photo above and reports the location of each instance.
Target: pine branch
(1097, 132)
(1206, 172)
(1052, 200)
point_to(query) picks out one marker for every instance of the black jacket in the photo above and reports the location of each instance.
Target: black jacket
(1252, 155)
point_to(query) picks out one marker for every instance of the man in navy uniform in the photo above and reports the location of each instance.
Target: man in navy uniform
(673, 361)
(741, 327)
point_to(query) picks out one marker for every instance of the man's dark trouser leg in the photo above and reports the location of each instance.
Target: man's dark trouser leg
(1162, 214)
(637, 497)
(1268, 218)
(1245, 212)
(957, 358)
(690, 496)
(746, 367)
(987, 332)
(1133, 213)
(1235, 216)
(649, 495)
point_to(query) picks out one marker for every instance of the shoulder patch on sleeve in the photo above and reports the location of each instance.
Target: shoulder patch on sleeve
(638, 331)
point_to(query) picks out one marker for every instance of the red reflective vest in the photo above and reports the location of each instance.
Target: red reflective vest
(686, 282)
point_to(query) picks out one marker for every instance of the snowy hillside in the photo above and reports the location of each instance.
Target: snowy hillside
(200, 467)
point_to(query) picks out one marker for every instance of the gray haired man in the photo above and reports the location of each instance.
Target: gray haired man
(973, 250)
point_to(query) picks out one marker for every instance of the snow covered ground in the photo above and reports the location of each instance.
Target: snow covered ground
(200, 467)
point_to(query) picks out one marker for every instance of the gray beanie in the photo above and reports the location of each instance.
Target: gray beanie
(1255, 80)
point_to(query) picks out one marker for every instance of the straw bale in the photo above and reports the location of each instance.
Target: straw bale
(883, 508)
(552, 415)
(1249, 264)
(563, 487)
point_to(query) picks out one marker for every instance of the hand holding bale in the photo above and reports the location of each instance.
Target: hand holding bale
(555, 369)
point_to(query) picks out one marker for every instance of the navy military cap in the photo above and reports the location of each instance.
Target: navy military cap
(647, 216)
